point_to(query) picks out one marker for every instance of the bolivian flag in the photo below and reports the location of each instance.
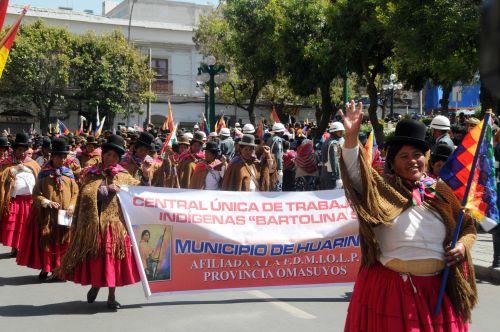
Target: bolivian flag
(8, 40)
(3, 11)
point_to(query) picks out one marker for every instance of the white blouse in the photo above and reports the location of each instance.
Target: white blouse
(25, 182)
(212, 181)
(418, 233)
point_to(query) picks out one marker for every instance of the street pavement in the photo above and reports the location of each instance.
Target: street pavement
(27, 305)
(482, 254)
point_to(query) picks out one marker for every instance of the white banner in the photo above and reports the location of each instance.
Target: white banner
(192, 240)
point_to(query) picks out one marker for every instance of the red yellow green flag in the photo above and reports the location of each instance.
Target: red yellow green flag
(8, 40)
(169, 120)
(3, 11)
(274, 116)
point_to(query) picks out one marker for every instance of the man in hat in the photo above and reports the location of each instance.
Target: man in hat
(17, 176)
(248, 129)
(226, 143)
(330, 153)
(44, 152)
(44, 240)
(440, 126)
(275, 142)
(208, 172)
(439, 156)
(71, 160)
(188, 160)
(471, 123)
(213, 136)
(91, 153)
(138, 162)
(246, 172)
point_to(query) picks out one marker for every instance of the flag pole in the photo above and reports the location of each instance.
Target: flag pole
(159, 253)
(446, 272)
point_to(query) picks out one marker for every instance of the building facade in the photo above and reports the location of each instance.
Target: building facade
(164, 28)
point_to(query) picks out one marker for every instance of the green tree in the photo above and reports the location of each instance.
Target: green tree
(240, 34)
(109, 73)
(436, 40)
(307, 55)
(360, 33)
(37, 71)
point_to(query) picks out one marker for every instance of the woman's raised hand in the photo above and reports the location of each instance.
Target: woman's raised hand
(352, 118)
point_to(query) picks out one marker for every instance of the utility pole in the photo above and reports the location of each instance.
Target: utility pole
(148, 106)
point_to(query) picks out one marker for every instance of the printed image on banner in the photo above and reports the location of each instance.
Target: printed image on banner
(194, 240)
(154, 248)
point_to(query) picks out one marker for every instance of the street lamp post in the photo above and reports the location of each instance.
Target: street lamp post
(130, 18)
(391, 87)
(211, 74)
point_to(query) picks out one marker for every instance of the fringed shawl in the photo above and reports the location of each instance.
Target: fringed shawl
(8, 181)
(88, 226)
(383, 200)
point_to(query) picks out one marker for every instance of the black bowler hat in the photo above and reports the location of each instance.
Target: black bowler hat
(22, 139)
(212, 147)
(116, 143)
(91, 140)
(59, 146)
(248, 140)
(441, 152)
(145, 139)
(198, 137)
(410, 132)
(4, 142)
(46, 143)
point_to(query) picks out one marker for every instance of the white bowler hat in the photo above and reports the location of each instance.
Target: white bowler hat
(440, 122)
(225, 132)
(278, 127)
(336, 126)
(248, 129)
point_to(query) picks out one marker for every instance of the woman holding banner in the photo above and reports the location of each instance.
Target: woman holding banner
(208, 173)
(246, 172)
(100, 251)
(406, 221)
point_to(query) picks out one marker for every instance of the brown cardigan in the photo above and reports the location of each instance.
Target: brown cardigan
(237, 176)
(165, 175)
(86, 161)
(185, 172)
(200, 175)
(46, 188)
(7, 183)
(383, 200)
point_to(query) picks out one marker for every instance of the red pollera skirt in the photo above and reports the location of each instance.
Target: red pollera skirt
(12, 224)
(107, 270)
(31, 254)
(385, 300)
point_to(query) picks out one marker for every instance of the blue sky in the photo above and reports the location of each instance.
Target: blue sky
(80, 5)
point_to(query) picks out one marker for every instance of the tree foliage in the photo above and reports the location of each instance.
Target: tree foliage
(306, 54)
(436, 40)
(50, 69)
(361, 35)
(110, 74)
(240, 34)
(37, 72)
